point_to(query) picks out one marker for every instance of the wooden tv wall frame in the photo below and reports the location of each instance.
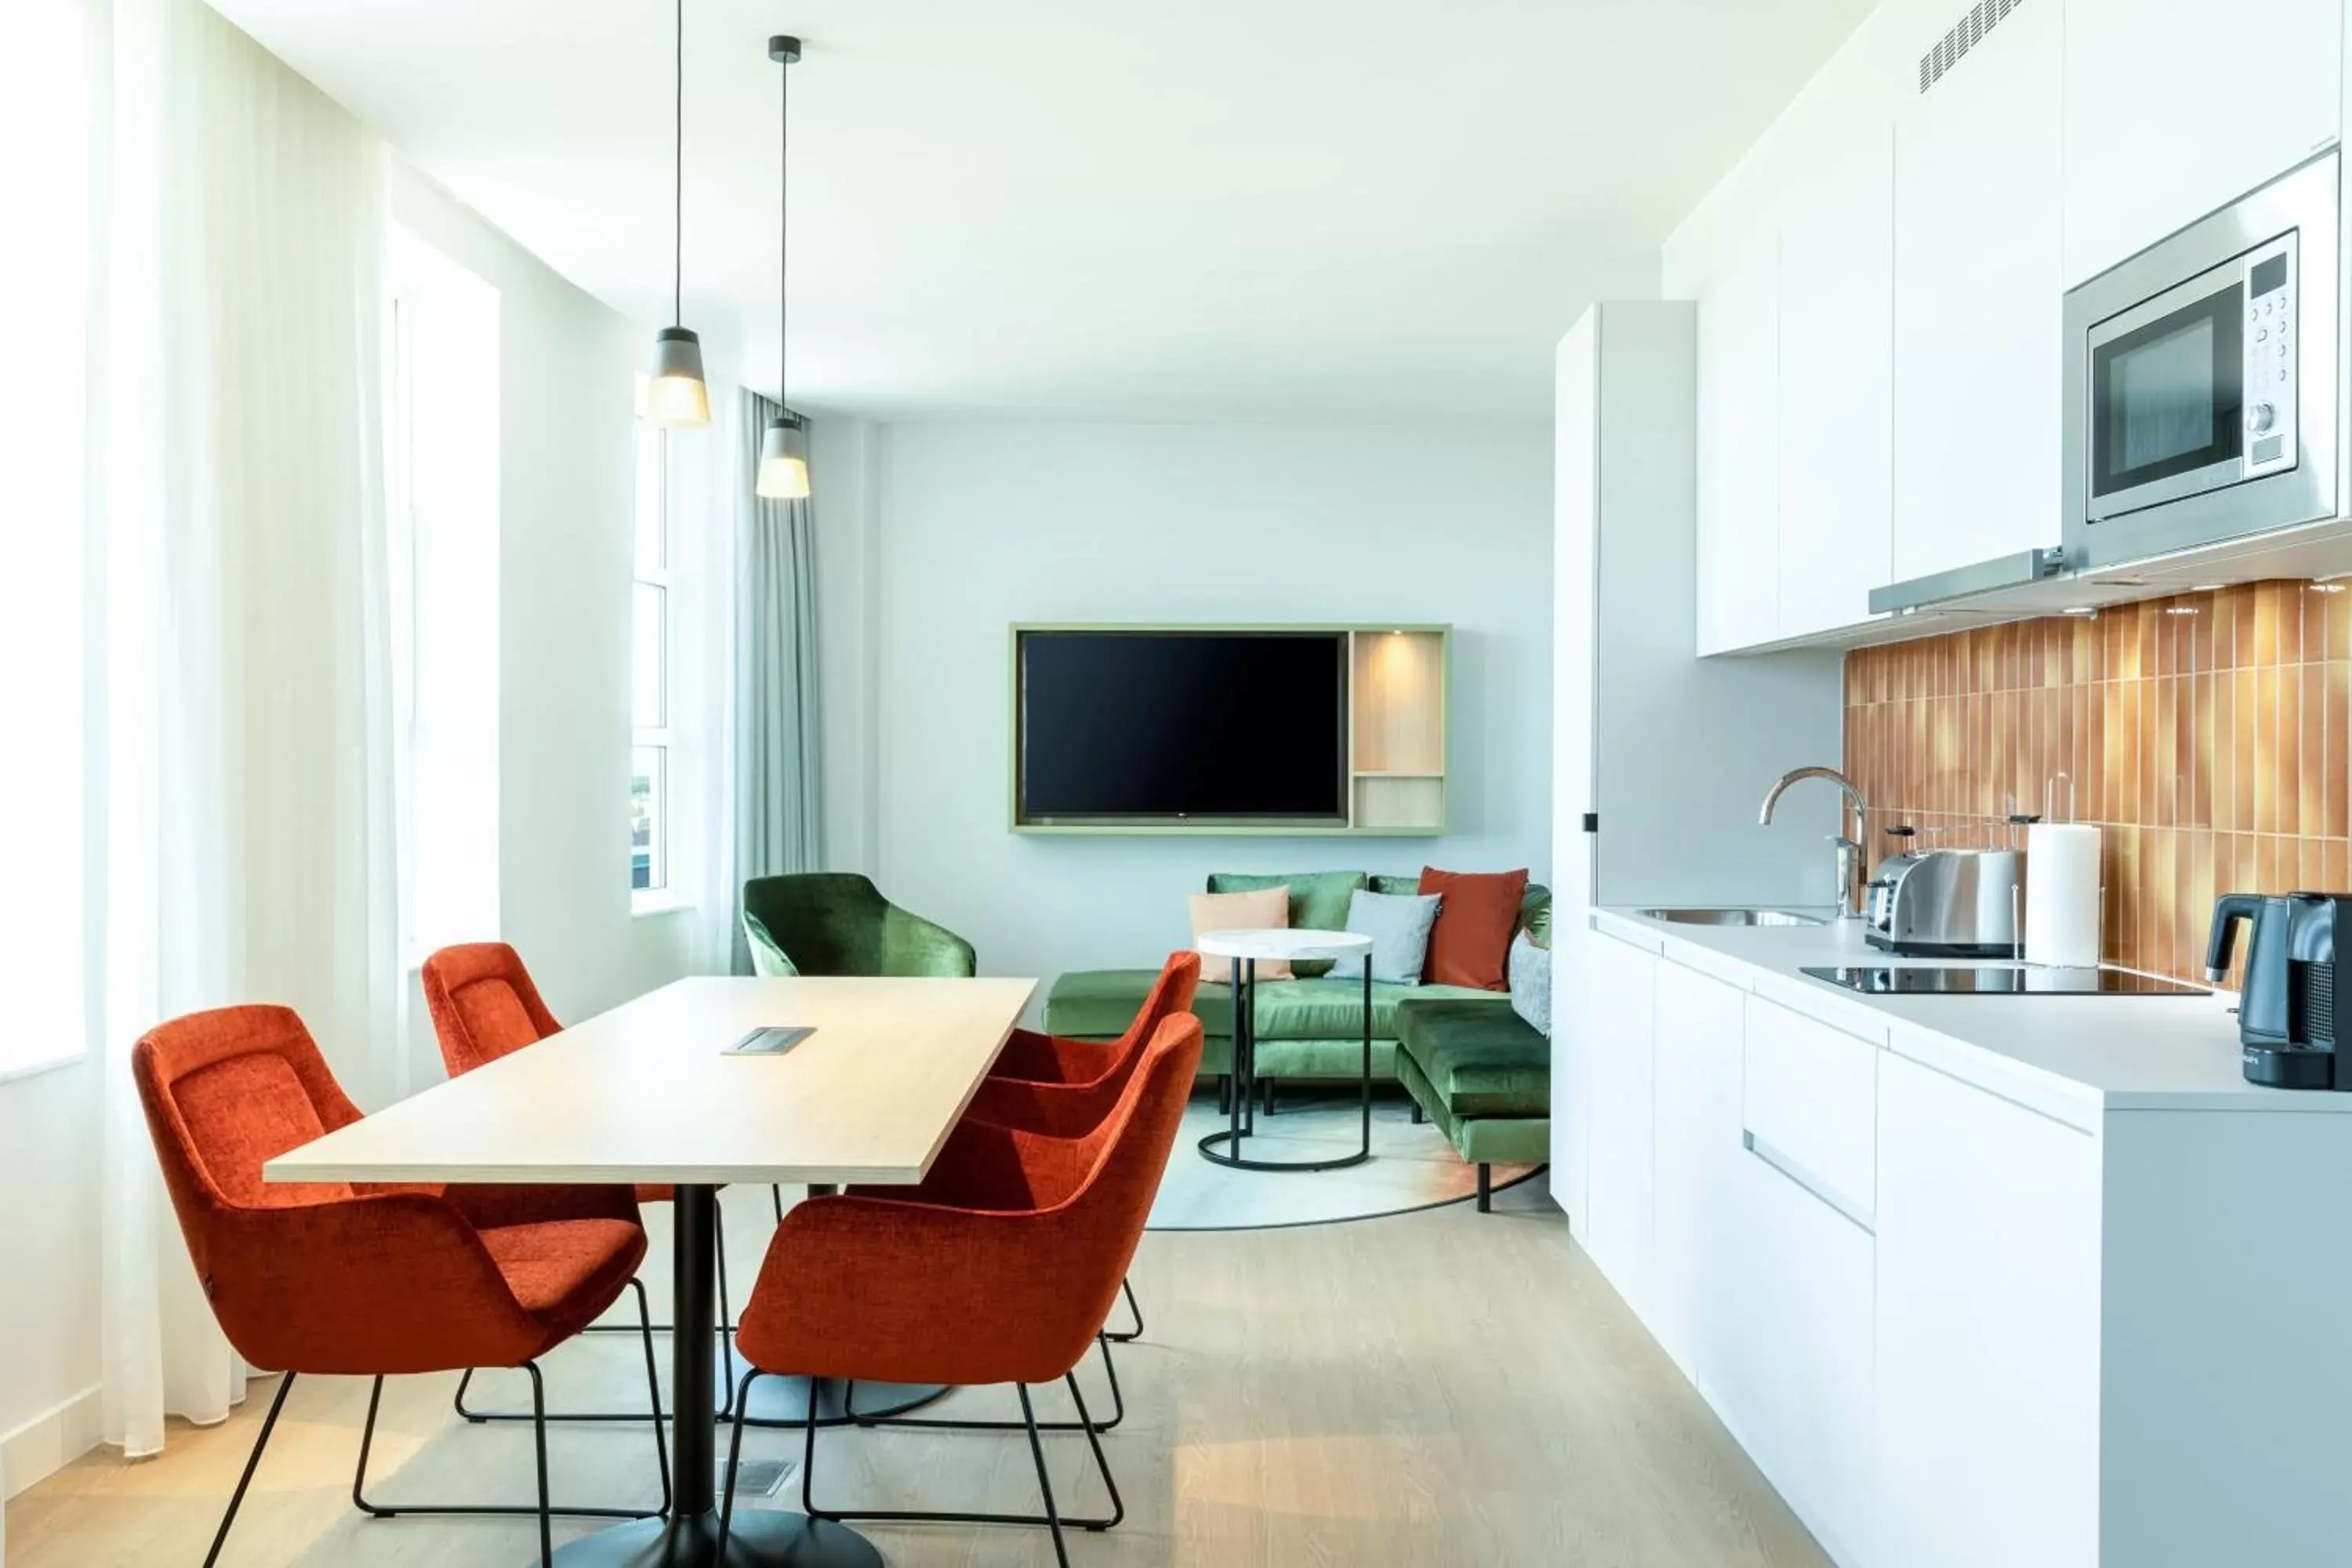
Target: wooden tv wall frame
(1397, 682)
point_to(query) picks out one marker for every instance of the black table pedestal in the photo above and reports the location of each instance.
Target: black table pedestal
(761, 1538)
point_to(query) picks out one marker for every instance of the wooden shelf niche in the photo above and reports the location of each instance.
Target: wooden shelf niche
(1397, 711)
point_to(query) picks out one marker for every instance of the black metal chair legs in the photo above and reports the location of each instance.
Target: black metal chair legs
(544, 1512)
(252, 1463)
(949, 1424)
(1127, 1336)
(1486, 1189)
(1052, 1517)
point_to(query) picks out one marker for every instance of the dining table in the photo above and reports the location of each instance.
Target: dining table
(651, 1092)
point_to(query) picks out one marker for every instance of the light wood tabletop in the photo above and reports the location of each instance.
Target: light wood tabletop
(645, 1093)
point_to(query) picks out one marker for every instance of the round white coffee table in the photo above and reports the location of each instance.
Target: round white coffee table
(1244, 948)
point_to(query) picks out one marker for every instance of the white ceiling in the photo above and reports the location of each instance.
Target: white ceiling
(1123, 209)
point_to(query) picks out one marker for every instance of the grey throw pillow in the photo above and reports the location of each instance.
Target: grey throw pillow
(1531, 983)
(1399, 925)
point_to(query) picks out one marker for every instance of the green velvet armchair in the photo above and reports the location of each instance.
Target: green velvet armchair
(837, 923)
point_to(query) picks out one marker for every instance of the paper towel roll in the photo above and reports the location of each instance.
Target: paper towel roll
(2061, 894)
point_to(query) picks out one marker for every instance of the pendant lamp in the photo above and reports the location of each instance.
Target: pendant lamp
(784, 449)
(678, 397)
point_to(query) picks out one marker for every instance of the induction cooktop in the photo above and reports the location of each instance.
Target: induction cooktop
(1962, 980)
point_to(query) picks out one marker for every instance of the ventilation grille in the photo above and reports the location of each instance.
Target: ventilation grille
(1967, 35)
(2318, 1009)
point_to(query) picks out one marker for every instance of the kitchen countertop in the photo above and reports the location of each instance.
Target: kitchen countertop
(2071, 1058)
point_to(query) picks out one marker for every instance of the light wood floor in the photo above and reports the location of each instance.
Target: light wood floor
(1435, 1389)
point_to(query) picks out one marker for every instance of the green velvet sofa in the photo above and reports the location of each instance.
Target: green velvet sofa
(1309, 1027)
(1483, 1074)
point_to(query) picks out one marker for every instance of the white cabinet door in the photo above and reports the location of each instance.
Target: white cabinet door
(1617, 1073)
(1979, 298)
(1739, 451)
(2177, 107)
(1797, 1389)
(1988, 1330)
(1695, 1291)
(1836, 338)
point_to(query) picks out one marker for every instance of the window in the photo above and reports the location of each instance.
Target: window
(441, 459)
(650, 753)
(43, 192)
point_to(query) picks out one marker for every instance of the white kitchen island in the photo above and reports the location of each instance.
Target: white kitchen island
(1978, 1281)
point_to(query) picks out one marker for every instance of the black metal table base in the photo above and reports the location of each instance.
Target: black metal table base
(689, 1536)
(1241, 1108)
(777, 1401)
(760, 1538)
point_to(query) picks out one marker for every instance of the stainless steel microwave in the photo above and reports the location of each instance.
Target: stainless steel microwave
(2202, 380)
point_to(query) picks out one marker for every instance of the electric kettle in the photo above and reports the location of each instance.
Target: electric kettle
(2293, 993)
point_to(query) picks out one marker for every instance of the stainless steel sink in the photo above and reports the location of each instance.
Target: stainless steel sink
(1733, 917)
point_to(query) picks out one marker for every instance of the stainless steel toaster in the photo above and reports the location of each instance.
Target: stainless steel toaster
(1948, 904)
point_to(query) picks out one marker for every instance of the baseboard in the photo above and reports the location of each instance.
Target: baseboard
(49, 1442)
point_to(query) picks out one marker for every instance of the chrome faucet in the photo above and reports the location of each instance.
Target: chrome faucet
(1849, 844)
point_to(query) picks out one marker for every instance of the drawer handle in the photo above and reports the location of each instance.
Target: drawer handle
(1807, 1180)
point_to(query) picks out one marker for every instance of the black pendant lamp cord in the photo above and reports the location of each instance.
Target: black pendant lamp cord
(784, 240)
(678, 184)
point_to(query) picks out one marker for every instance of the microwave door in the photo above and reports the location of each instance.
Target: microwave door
(2167, 414)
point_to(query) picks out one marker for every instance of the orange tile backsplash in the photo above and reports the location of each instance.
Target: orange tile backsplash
(2206, 734)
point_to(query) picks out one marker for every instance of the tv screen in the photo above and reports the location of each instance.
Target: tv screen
(1166, 726)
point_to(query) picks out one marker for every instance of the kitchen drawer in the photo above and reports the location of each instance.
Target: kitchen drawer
(1810, 1105)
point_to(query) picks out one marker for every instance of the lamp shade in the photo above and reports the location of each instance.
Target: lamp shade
(678, 397)
(783, 463)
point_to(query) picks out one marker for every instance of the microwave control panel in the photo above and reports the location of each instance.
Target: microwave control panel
(2269, 401)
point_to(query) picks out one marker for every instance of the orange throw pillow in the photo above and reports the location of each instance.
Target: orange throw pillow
(1265, 909)
(1471, 943)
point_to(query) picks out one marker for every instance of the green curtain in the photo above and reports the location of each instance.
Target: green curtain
(776, 828)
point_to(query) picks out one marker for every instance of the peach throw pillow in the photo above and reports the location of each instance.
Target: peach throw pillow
(1267, 909)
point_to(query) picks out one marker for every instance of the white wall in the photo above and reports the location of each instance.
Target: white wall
(48, 1269)
(568, 365)
(957, 529)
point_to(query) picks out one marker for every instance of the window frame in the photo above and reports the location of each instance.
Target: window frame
(661, 894)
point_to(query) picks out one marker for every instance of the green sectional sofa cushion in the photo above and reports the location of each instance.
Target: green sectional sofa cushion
(1480, 1056)
(1319, 901)
(1480, 1139)
(1100, 1004)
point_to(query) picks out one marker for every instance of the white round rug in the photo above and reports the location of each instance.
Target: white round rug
(1411, 1167)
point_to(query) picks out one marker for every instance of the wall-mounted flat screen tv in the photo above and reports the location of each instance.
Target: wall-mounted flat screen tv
(1142, 726)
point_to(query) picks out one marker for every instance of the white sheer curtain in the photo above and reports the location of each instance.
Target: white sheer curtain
(239, 782)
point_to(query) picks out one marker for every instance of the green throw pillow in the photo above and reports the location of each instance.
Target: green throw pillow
(1319, 901)
(1536, 922)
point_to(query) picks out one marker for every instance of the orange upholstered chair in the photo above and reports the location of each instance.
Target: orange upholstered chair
(360, 1280)
(485, 1006)
(1013, 1290)
(1047, 1083)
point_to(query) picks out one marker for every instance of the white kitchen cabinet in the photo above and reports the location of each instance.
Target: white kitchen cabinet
(1618, 1017)
(1808, 1100)
(2174, 108)
(1978, 290)
(1988, 1330)
(1738, 450)
(1796, 1388)
(1634, 823)
(1696, 1289)
(1836, 347)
